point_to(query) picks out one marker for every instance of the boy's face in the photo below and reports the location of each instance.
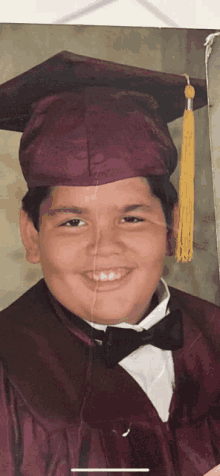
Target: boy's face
(102, 249)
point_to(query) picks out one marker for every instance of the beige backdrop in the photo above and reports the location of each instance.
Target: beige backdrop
(169, 50)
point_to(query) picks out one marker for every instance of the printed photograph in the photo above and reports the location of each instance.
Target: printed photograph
(110, 224)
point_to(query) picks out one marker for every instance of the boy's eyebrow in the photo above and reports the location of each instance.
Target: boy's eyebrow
(131, 208)
(85, 211)
(69, 209)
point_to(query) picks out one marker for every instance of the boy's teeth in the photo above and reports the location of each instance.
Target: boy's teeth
(107, 276)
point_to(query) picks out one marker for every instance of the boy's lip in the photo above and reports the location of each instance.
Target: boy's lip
(108, 267)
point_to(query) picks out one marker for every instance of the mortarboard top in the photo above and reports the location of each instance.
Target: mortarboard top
(67, 71)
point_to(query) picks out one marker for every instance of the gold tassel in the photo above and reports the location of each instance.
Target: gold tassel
(184, 248)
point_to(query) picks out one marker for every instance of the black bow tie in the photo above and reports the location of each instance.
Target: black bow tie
(118, 343)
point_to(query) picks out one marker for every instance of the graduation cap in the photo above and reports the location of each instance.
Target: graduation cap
(90, 122)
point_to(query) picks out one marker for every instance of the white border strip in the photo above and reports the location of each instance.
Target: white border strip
(111, 470)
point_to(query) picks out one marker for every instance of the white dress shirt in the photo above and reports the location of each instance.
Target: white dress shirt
(152, 368)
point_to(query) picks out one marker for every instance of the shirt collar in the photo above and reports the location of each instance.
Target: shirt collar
(158, 313)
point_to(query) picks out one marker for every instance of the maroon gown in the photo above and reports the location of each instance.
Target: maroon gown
(62, 409)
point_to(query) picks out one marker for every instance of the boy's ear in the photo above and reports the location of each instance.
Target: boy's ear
(172, 232)
(30, 238)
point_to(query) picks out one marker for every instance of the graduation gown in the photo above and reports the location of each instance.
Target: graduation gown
(62, 409)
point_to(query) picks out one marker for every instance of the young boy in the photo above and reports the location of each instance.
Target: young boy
(103, 366)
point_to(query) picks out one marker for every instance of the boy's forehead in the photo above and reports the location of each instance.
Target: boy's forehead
(113, 194)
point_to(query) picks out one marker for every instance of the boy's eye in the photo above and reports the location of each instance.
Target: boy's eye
(131, 219)
(74, 222)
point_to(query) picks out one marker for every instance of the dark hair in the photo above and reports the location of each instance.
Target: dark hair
(32, 201)
(163, 189)
(160, 186)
